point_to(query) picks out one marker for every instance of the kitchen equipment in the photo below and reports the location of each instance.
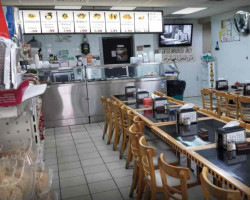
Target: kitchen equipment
(65, 76)
(85, 46)
(228, 134)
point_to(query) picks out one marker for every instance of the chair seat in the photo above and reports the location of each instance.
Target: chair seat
(194, 193)
(169, 156)
(171, 180)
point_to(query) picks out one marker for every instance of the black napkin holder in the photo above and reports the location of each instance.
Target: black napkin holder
(140, 95)
(246, 89)
(187, 130)
(160, 103)
(229, 134)
(222, 85)
(130, 91)
(186, 113)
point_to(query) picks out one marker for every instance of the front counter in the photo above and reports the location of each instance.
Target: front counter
(79, 102)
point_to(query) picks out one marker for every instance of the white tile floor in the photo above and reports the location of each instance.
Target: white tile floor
(84, 166)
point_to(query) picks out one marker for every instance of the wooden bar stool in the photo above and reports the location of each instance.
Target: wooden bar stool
(118, 123)
(131, 116)
(111, 120)
(209, 112)
(244, 104)
(210, 190)
(207, 99)
(125, 129)
(232, 104)
(178, 182)
(221, 102)
(228, 119)
(106, 115)
(149, 161)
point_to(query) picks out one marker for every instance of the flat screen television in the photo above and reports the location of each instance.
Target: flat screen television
(176, 35)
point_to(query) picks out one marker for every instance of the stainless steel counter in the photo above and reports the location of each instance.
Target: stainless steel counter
(75, 103)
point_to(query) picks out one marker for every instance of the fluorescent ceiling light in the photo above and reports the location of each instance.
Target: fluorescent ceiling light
(122, 8)
(187, 11)
(68, 7)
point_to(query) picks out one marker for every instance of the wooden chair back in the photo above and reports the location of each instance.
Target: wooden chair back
(147, 154)
(139, 123)
(207, 99)
(196, 108)
(110, 109)
(117, 113)
(159, 93)
(135, 136)
(124, 115)
(210, 189)
(209, 112)
(228, 119)
(232, 105)
(181, 173)
(105, 107)
(221, 102)
(244, 104)
(131, 116)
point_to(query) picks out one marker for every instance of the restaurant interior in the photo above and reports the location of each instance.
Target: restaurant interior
(124, 99)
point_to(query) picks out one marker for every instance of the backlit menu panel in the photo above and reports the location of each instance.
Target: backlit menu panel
(97, 22)
(155, 22)
(49, 21)
(141, 22)
(65, 21)
(112, 22)
(31, 20)
(81, 19)
(127, 22)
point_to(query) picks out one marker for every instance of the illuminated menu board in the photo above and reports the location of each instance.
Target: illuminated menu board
(31, 20)
(49, 21)
(81, 19)
(65, 21)
(155, 22)
(112, 22)
(141, 22)
(97, 22)
(127, 22)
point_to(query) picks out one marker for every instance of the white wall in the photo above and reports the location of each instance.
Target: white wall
(231, 58)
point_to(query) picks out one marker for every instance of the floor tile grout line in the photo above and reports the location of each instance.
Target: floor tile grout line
(108, 169)
(82, 166)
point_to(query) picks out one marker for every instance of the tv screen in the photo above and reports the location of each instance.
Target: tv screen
(176, 35)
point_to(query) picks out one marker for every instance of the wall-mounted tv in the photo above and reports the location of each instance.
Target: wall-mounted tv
(176, 35)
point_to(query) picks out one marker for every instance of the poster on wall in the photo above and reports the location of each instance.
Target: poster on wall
(155, 22)
(31, 20)
(179, 54)
(141, 22)
(81, 19)
(97, 22)
(228, 32)
(127, 22)
(65, 21)
(112, 22)
(49, 21)
(211, 74)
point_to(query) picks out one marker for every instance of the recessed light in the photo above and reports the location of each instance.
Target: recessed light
(68, 7)
(187, 11)
(122, 8)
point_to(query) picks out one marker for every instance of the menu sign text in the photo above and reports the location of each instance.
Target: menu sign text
(31, 19)
(112, 22)
(65, 21)
(127, 22)
(49, 21)
(97, 22)
(81, 19)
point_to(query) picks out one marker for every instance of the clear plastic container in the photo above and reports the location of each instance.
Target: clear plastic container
(51, 195)
(21, 149)
(17, 179)
(44, 178)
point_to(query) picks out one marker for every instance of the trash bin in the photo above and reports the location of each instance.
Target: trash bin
(176, 88)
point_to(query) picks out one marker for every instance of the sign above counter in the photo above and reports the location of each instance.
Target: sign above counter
(82, 21)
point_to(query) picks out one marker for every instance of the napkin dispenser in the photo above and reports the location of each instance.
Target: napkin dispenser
(185, 131)
(140, 95)
(186, 113)
(160, 104)
(130, 91)
(222, 85)
(224, 135)
(246, 89)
